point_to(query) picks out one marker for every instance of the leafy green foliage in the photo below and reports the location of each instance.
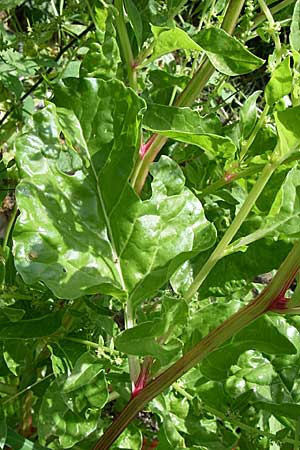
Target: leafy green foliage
(136, 136)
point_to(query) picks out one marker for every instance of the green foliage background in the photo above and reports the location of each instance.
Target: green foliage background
(99, 279)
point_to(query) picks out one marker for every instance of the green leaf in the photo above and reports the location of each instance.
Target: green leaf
(131, 438)
(295, 28)
(70, 407)
(142, 340)
(284, 214)
(103, 58)
(167, 40)
(3, 429)
(185, 125)
(248, 115)
(17, 442)
(291, 410)
(226, 53)
(88, 380)
(135, 21)
(31, 328)
(280, 83)
(86, 231)
(262, 335)
(16, 353)
(8, 4)
(288, 130)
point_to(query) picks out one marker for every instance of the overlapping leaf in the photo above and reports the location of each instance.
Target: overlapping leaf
(82, 229)
(187, 126)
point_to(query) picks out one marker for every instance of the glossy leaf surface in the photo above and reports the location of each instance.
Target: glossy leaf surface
(114, 242)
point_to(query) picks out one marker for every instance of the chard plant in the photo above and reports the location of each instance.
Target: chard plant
(150, 225)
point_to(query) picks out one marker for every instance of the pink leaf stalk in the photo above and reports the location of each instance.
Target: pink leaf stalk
(145, 147)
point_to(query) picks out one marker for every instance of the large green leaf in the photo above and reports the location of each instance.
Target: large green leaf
(82, 229)
(185, 125)
(226, 53)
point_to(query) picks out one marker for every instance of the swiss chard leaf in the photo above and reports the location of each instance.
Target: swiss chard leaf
(84, 391)
(88, 231)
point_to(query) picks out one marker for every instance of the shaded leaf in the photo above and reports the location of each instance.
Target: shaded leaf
(31, 328)
(185, 125)
(288, 130)
(18, 442)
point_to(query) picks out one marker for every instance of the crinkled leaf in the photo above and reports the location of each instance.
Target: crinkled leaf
(261, 257)
(56, 419)
(295, 28)
(280, 83)
(86, 385)
(262, 335)
(70, 406)
(166, 40)
(185, 125)
(86, 231)
(103, 58)
(226, 53)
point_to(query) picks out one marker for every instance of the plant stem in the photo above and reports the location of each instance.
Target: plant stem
(210, 189)
(220, 250)
(273, 31)
(186, 98)
(125, 45)
(275, 9)
(212, 341)
(133, 361)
